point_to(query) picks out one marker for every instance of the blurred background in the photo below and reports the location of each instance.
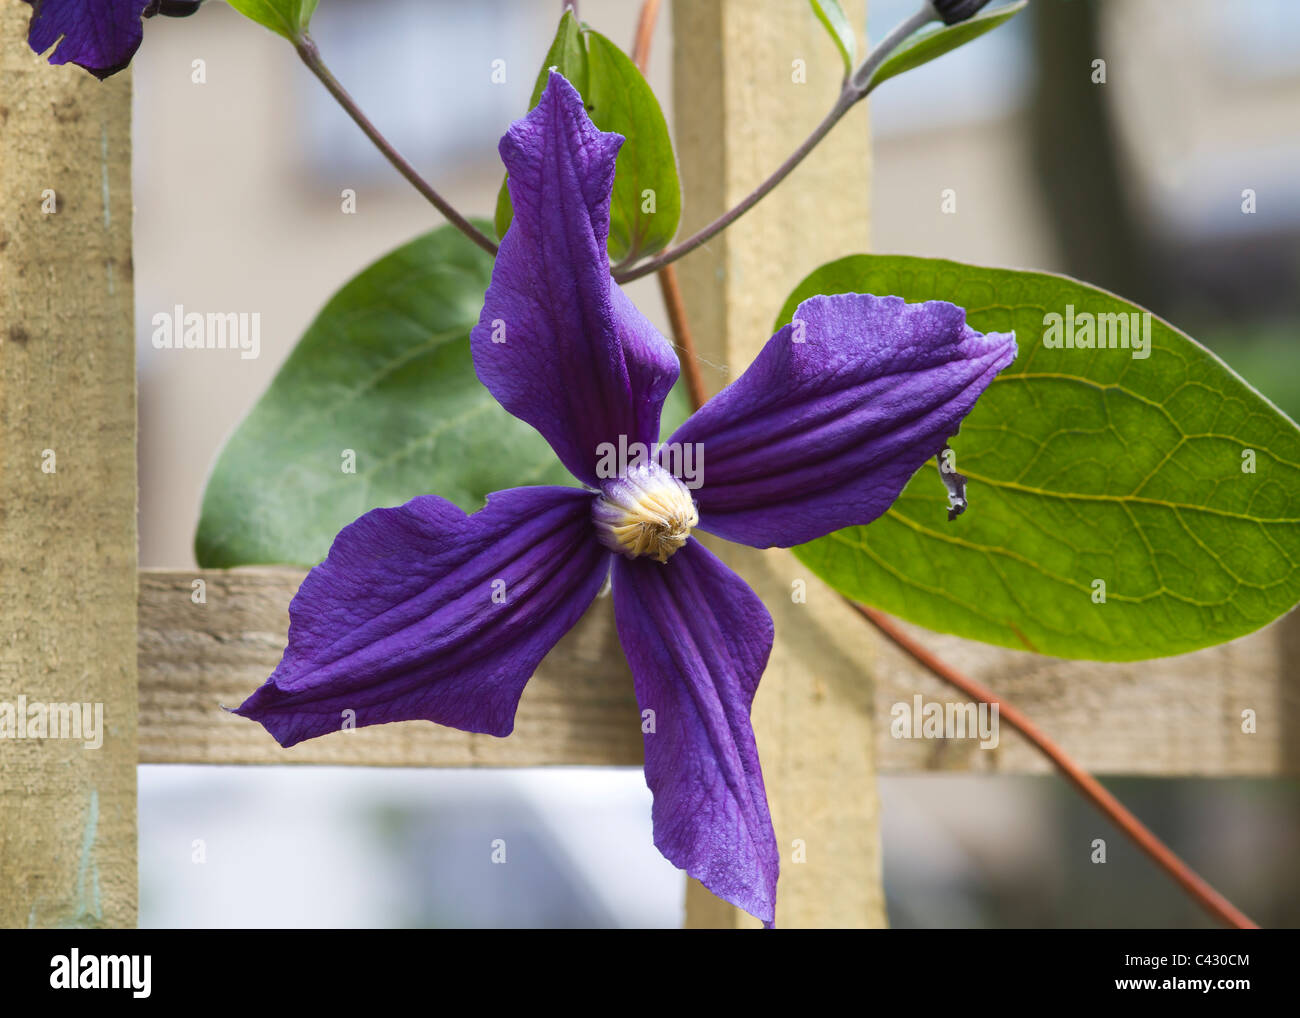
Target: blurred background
(1135, 185)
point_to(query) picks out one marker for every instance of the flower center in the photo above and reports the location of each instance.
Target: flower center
(646, 511)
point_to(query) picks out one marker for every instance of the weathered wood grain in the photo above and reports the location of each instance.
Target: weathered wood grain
(67, 532)
(1178, 716)
(195, 658)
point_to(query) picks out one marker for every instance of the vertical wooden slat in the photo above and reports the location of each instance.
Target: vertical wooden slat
(739, 111)
(68, 488)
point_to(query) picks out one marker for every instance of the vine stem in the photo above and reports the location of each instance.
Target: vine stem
(707, 233)
(676, 307)
(1088, 786)
(857, 86)
(310, 55)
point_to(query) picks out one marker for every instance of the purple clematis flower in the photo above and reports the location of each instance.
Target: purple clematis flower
(99, 35)
(820, 433)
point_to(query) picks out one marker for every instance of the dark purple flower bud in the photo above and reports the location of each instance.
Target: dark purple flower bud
(953, 11)
(173, 8)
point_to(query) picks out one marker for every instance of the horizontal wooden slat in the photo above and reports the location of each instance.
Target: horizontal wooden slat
(1174, 716)
(578, 709)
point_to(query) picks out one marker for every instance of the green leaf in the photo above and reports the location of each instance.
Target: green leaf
(568, 56)
(289, 18)
(647, 200)
(926, 46)
(385, 370)
(830, 14)
(1167, 477)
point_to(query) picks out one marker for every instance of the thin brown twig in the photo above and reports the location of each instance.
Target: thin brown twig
(1088, 786)
(645, 29)
(672, 294)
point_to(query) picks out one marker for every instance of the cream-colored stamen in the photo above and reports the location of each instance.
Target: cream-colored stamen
(646, 512)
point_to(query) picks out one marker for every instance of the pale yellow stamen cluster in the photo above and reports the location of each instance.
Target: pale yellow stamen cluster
(652, 518)
(655, 529)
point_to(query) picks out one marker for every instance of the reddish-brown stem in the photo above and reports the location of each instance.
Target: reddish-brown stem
(645, 28)
(1091, 789)
(672, 293)
(682, 336)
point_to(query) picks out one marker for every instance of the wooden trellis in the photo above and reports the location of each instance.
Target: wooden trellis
(68, 566)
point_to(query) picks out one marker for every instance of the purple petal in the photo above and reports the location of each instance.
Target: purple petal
(99, 35)
(572, 355)
(697, 639)
(823, 433)
(422, 612)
